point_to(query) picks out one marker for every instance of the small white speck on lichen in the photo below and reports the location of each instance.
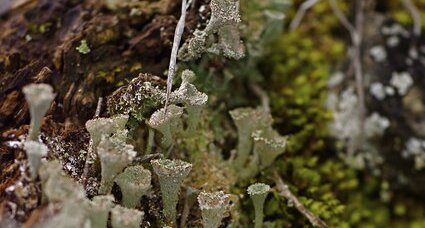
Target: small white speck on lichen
(258, 189)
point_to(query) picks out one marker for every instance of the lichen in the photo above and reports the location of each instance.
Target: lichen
(134, 182)
(39, 98)
(125, 217)
(213, 206)
(258, 193)
(257, 119)
(83, 48)
(171, 174)
(167, 122)
(35, 151)
(114, 156)
(224, 22)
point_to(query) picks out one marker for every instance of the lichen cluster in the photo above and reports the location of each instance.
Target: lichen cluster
(284, 106)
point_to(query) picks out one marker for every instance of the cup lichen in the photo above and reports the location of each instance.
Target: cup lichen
(134, 182)
(193, 100)
(248, 120)
(171, 174)
(114, 156)
(39, 98)
(35, 152)
(268, 145)
(258, 193)
(167, 122)
(213, 206)
(122, 217)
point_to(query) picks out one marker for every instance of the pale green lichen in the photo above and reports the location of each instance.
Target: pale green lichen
(213, 206)
(258, 193)
(105, 126)
(122, 217)
(71, 215)
(83, 48)
(248, 120)
(167, 122)
(56, 185)
(193, 100)
(114, 156)
(98, 210)
(268, 145)
(39, 98)
(224, 21)
(134, 182)
(35, 151)
(171, 174)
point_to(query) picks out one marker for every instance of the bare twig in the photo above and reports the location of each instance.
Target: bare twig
(416, 17)
(301, 12)
(356, 34)
(98, 107)
(265, 100)
(176, 43)
(285, 192)
(341, 17)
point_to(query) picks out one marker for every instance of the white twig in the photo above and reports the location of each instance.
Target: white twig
(176, 43)
(98, 107)
(265, 100)
(341, 17)
(285, 192)
(301, 12)
(416, 17)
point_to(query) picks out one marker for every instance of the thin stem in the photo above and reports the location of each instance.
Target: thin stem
(416, 17)
(151, 136)
(98, 107)
(284, 191)
(176, 43)
(301, 12)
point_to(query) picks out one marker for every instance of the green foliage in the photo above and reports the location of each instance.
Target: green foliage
(297, 70)
(400, 14)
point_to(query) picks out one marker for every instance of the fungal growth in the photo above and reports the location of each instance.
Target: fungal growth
(39, 98)
(35, 151)
(224, 22)
(134, 183)
(114, 156)
(213, 206)
(122, 217)
(171, 174)
(167, 123)
(258, 193)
